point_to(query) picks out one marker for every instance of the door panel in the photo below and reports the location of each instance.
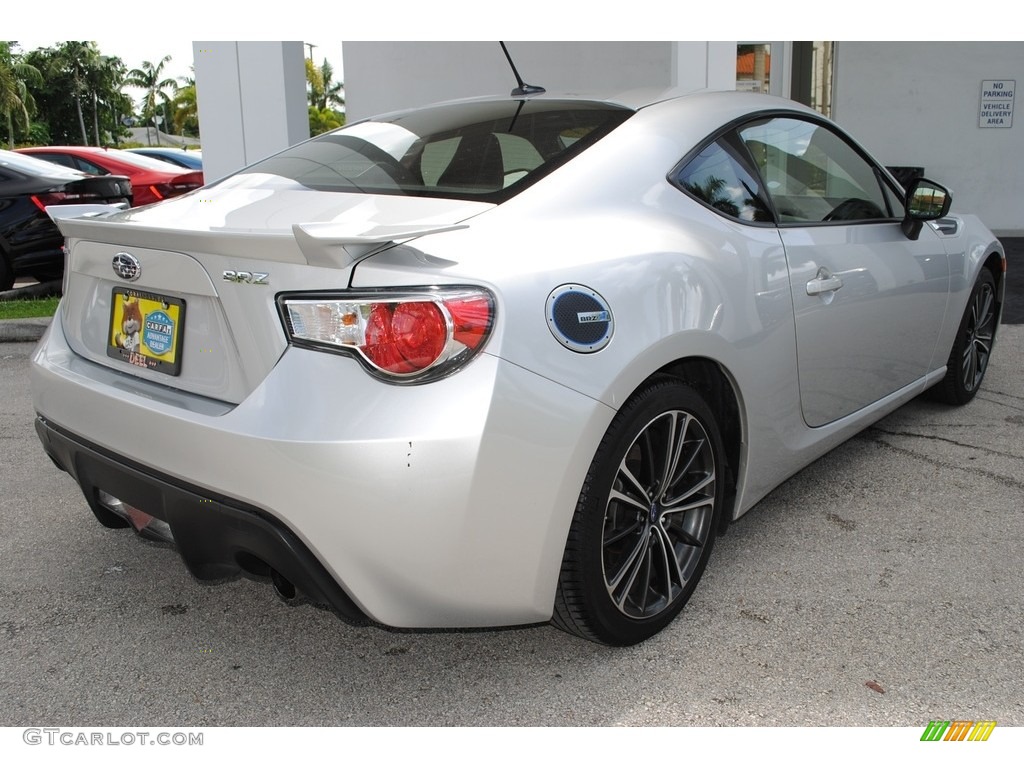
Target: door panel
(872, 331)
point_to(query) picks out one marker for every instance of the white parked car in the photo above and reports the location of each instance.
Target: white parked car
(505, 361)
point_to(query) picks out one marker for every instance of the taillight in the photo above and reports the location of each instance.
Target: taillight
(61, 198)
(410, 336)
(163, 191)
(49, 198)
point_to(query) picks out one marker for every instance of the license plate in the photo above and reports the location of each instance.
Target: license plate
(146, 330)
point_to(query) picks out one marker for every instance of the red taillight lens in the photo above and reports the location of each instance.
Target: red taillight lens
(48, 198)
(420, 333)
(172, 189)
(471, 318)
(409, 337)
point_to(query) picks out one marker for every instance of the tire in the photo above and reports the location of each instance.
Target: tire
(6, 275)
(968, 359)
(49, 276)
(646, 518)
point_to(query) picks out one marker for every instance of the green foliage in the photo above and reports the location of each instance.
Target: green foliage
(80, 99)
(21, 308)
(185, 115)
(70, 93)
(324, 120)
(16, 100)
(323, 92)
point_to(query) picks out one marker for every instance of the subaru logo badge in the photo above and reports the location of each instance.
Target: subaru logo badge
(126, 266)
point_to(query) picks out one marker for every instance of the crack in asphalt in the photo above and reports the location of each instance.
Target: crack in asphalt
(981, 448)
(1001, 404)
(1007, 482)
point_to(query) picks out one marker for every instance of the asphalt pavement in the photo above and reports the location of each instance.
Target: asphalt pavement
(881, 586)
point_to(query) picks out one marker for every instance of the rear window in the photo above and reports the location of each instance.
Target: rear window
(484, 151)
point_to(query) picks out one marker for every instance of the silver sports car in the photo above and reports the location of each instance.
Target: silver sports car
(504, 361)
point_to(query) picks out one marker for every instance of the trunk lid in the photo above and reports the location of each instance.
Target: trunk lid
(98, 189)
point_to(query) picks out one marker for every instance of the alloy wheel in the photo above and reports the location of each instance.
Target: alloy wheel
(658, 515)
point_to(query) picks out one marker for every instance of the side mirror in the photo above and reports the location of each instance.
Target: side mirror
(925, 201)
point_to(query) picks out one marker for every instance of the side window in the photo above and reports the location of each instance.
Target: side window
(88, 167)
(67, 162)
(718, 179)
(812, 174)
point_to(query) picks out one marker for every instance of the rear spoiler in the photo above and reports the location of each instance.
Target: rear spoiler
(331, 245)
(322, 244)
(87, 210)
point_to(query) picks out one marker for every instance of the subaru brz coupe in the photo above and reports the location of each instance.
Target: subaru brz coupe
(504, 361)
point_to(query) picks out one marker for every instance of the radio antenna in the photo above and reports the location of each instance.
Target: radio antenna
(522, 89)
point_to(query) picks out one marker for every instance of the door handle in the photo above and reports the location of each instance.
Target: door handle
(824, 282)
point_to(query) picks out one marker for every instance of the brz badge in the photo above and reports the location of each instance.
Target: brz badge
(126, 266)
(248, 278)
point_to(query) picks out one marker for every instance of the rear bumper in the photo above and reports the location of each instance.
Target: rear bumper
(440, 505)
(218, 538)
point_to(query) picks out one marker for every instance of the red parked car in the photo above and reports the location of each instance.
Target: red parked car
(152, 180)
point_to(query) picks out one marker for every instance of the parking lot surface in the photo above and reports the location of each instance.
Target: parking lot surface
(880, 586)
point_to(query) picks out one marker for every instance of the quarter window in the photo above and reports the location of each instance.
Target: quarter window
(718, 179)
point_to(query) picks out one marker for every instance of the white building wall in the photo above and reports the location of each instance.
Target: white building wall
(252, 101)
(917, 104)
(381, 77)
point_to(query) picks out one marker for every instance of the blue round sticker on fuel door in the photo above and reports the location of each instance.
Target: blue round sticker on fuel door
(158, 333)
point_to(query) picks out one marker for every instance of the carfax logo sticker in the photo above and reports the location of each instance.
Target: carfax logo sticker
(159, 332)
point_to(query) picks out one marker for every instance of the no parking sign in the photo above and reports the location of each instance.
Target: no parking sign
(996, 103)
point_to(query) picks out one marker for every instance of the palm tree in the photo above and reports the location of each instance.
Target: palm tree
(186, 111)
(148, 78)
(331, 93)
(15, 98)
(79, 58)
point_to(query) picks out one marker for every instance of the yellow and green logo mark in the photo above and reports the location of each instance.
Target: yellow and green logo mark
(958, 730)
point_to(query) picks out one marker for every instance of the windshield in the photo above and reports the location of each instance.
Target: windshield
(484, 151)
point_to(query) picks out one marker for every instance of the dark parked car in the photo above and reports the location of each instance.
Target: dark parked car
(185, 158)
(30, 243)
(152, 180)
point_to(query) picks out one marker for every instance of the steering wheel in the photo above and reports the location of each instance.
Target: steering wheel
(854, 209)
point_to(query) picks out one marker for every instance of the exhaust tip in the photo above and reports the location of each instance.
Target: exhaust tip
(284, 588)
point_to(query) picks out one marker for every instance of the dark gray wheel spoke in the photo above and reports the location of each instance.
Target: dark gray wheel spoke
(645, 576)
(984, 312)
(675, 443)
(677, 503)
(641, 496)
(630, 566)
(629, 530)
(673, 574)
(684, 536)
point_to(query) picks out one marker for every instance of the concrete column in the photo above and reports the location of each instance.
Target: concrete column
(700, 65)
(252, 101)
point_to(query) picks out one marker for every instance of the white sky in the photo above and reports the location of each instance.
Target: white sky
(147, 30)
